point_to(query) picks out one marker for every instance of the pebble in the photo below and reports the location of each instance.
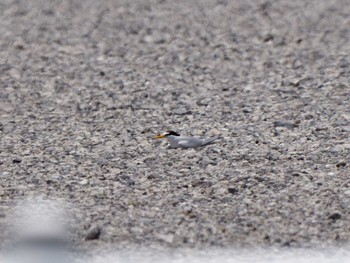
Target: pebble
(84, 182)
(341, 164)
(232, 190)
(335, 216)
(168, 238)
(284, 124)
(181, 111)
(206, 161)
(93, 233)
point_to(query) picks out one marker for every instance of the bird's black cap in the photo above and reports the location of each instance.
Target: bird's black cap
(172, 133)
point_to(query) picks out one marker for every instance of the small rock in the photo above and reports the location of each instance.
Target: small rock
(284, 124)
(246, 110)
(148, 39)
(272, 157)
(232, 190)
(204, 102)
(201, 183)
(181, 111)
(187, 210)
(93, 233)
(335, 216)
(207, 161)
(268, 38)
(168, 238)
(84, 182)
(341, 164)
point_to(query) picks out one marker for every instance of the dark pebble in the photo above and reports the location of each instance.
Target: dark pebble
(232, 190)
(335, 216)
(93, 233)
(341, 164)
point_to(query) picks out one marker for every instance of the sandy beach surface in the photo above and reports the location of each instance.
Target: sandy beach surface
(85, 85)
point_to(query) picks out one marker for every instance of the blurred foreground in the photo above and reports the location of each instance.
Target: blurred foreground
(39, 233)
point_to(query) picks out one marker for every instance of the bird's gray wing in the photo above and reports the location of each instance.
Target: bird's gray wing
(211, 140)
(190, 143)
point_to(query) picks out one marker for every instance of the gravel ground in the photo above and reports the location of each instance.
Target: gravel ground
(86, 84)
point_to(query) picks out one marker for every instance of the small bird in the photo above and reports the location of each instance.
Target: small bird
(185, 142)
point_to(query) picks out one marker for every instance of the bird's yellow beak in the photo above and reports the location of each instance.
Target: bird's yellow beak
(159, 136)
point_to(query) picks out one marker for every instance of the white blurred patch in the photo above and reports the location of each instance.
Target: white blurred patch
(40, 219)
(253, 255)
(39, 232)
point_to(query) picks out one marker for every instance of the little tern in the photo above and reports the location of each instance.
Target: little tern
(185, 142)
